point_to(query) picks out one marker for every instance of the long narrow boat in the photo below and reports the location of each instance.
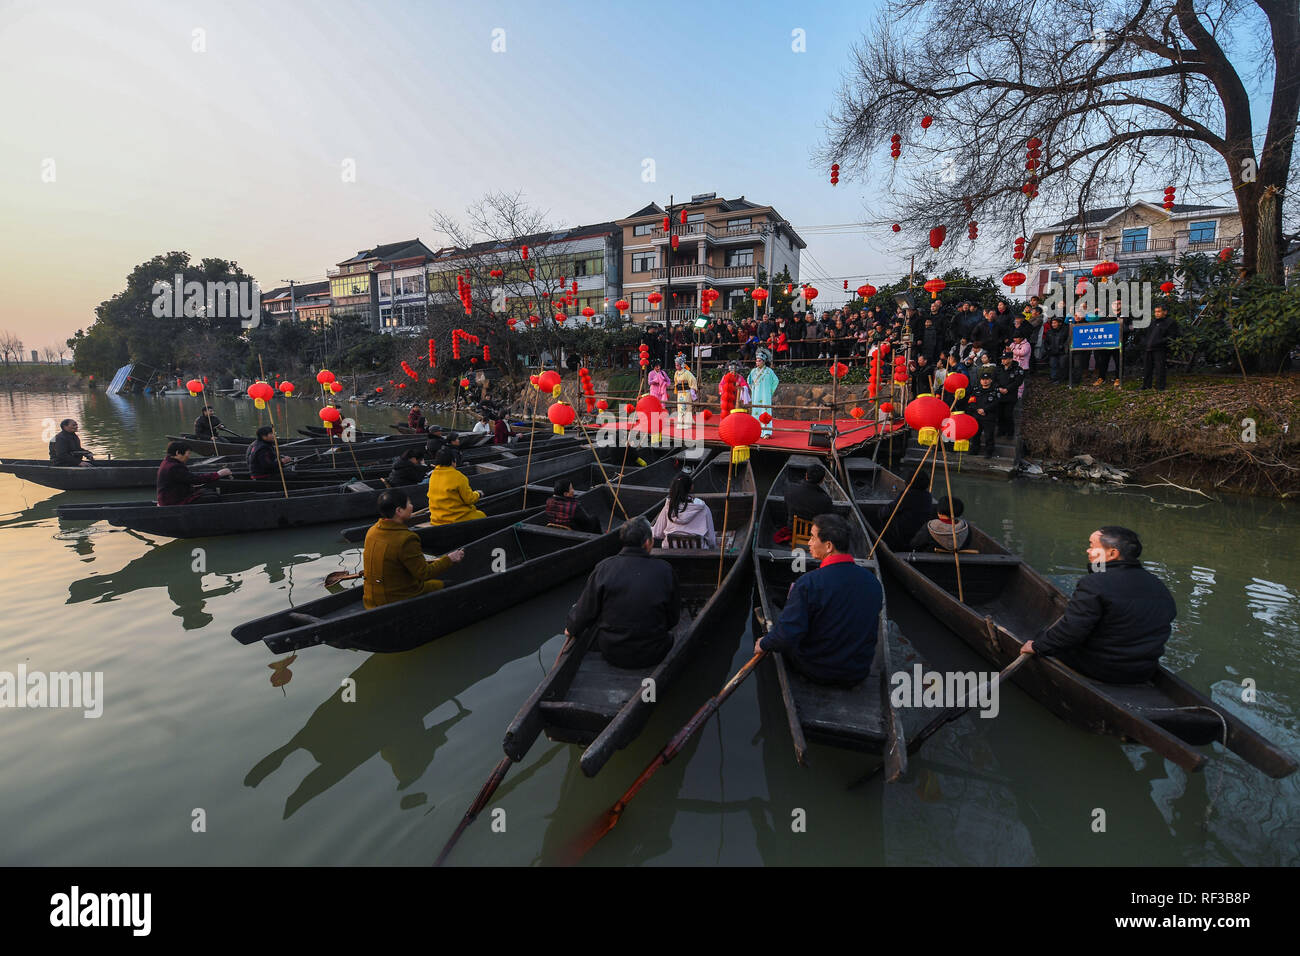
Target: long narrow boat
(272, 510)
(1007, 602)
(499, 570)
(859, 718)
(586, 700)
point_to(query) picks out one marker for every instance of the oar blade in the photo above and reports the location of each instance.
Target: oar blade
(334, 577)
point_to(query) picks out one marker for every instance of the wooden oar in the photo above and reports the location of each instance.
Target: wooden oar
(880, 537)
(610, 819)
(915, 741)
(490, 787)
(334, 577)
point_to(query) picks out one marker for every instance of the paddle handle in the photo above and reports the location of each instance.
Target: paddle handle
(953, 713)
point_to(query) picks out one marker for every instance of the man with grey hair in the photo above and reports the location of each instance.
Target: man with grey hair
(631, 602)
(1117, 623)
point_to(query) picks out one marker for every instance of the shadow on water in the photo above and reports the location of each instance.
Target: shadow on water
(404, 708)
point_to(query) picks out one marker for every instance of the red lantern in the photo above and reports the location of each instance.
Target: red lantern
(887, 407)
(287, 387)
(937, 235)
(739, 430)
(464, 383)
(560, 414)
(629, 408)
(1225, 254)
(668, 223)
(896, 227)
(1103, 269)
(324, 376)
(856, 412)
(866, 291)
(1166, 287)
(809, 293)
(839, 370)
(523, 253)
(194, 386)
(934, 287)
(681, 217)
(331, 416)
(588, 312)
(654, 298)
(676, 241)
(758, 295)
(707, 414)
(956, 383)
(653, 412)
(1034, 142)
(336, 387)
(622, 306)
(924, 414)
(1014, 279)
(765, 418)
(926, 121)
(549, 382)
(603, 405)
(260, 393)
(959, 428)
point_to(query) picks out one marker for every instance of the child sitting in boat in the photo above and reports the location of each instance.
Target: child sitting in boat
(682, 514)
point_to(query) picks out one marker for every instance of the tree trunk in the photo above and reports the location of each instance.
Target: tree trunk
(1268, 264)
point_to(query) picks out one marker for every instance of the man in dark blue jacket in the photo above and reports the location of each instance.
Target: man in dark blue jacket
(1116, 624)
(828, 626)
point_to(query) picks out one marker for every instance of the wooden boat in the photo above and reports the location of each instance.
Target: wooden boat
(536, 558)
(1007, 602)
(588, 701)
(859, 718)
(272, 510)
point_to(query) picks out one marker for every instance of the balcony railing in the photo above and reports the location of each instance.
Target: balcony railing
(1119, 250)
(694, 270)
(692, 230)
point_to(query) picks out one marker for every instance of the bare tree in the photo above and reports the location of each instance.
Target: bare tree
(11, 344)
(49, 354)
(487, 249)
(1124, 95)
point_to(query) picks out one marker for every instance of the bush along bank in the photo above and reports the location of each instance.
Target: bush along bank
(1206, 433)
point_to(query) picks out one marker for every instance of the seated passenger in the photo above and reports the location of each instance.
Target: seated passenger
(807, 499)
(394, 566)
(631, 602)
(1117, 622)
(947, 532)
(450, 497)
(408, 468)
(827, 630)
(914, 508)
(684, 514)
(563, 510)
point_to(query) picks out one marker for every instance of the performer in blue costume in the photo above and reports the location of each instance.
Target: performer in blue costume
(762, 388)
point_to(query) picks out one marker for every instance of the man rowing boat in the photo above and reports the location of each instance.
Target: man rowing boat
(176, 484)
(828, 627)
(1117, 622)
(395, 568)
(65, 448)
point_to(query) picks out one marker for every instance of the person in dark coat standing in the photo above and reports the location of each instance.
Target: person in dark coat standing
(922, 376)
(1118, 621)
(1010, 376)
(989, 333)
(1163, 328)
(176, 484)
(829, 625)
(1055, 346)
(65, 448)
(631, 602)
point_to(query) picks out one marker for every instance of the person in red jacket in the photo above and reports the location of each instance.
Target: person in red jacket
(177, 485)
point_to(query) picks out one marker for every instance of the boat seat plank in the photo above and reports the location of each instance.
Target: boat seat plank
(602, 688)
(854, 711)
(972, 560)
(547, 530)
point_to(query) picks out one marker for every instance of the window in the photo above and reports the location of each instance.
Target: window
(695, 217)
(344, 286)
(644, 261)
(740, 257)
(1202, 231)
(644, 229)
(1065, 245)
(639, 303)
(589, 264)
(740, 225)
(1134, 240)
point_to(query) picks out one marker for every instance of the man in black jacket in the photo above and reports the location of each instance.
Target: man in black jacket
(207, 424)
(1163, 328)
(631, 602)
(261, 456)
(984, 406)
(65, 449)
(1010, 377)
(989, 333)
(922, 376)
(1117, 623)
(408, 468)
(1055, 339)
(795, 333)
(807, 499)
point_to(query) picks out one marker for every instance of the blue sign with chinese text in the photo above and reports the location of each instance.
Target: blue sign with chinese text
(1095, 335)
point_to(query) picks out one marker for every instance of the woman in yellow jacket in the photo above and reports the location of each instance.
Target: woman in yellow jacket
(450, 497)
(395, 568)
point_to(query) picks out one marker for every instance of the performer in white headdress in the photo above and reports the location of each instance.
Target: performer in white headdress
(762, 388)
(684, 385)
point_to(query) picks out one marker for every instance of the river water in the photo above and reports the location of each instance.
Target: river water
(193, 730)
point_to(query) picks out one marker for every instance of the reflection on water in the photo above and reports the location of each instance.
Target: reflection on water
(296, 772)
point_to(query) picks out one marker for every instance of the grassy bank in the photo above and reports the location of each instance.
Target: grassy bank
(40, 377)
(1205, 432)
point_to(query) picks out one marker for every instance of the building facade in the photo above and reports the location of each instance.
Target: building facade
(1130, 236)
(304, 302)
(721, 245)
(355, 286)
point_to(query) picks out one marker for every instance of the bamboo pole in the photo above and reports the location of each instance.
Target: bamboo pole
(885, 528)
(601, 465)
(275, 440)
(726, 516)
(532, 433)
(952, 518)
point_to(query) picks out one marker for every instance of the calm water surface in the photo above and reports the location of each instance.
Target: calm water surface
(294, 775)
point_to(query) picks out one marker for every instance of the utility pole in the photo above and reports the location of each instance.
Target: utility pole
(668, 271)
(293, 303)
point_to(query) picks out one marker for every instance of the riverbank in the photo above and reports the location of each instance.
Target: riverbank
(38, 377)
(1204, 432)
